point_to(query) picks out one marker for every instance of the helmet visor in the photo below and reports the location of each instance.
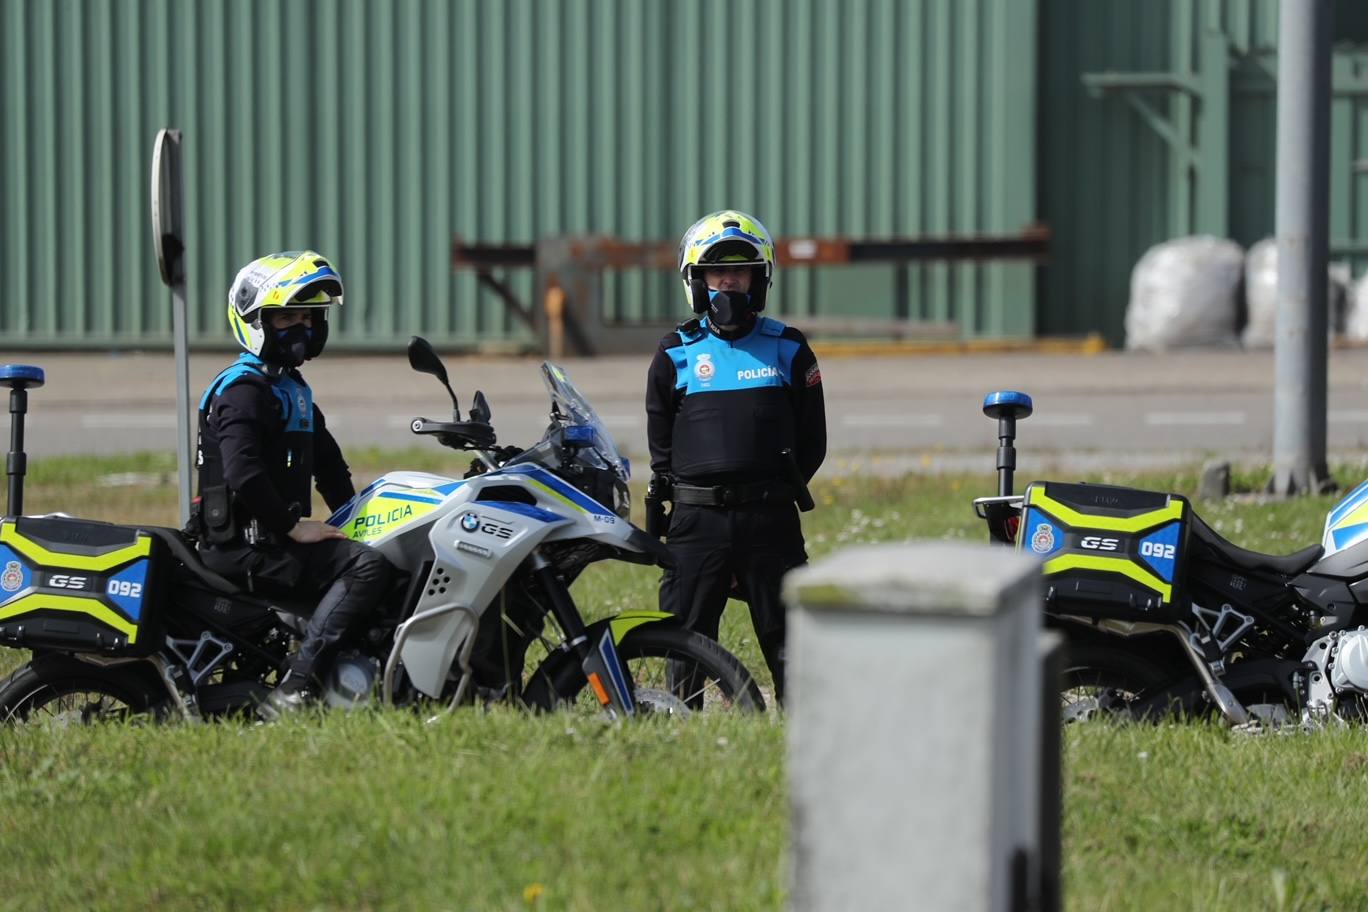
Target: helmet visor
(732, 252)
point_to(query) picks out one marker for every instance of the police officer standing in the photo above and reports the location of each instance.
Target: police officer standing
(262, 442)
(737, 427)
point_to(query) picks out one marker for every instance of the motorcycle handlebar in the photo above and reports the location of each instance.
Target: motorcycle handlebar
(466, 435)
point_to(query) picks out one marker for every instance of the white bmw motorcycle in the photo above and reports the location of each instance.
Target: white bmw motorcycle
(482, 561)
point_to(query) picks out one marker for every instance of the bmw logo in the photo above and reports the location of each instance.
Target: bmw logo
(470, 522)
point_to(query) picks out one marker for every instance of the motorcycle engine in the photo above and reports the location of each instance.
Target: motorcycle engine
(1349, 670)
(351, 682)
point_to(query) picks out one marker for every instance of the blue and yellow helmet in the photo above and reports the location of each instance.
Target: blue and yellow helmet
(292, 279)
(731, 237)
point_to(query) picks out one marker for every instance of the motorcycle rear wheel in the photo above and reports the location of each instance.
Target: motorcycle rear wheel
(61, 690)
(1101, 681)
(723, 683)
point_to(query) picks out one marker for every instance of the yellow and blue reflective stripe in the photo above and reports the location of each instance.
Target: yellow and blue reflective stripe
(567, 494)
(1354, 498)
(1071, 517)
(1122, 565)
(526, 510)
(88, 606)
(42, 556)
(413, 498)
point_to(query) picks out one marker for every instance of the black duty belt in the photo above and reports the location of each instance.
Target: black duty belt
(256, 535)
(734, 494)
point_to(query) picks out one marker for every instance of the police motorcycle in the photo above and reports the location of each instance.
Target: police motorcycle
(127, 620)
(1160, 613)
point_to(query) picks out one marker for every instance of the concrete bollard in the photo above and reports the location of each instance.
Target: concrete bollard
(914, 729)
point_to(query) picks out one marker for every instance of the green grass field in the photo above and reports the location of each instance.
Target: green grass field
(500, 810)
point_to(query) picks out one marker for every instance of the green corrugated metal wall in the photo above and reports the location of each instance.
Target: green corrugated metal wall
(1111, 186)
(374, 131)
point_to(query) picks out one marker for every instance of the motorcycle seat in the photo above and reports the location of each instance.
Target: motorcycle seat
(1253, 561)
(190, 559)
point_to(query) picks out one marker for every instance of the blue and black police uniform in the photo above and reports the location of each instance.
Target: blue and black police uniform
(262, 443)
(720, 410)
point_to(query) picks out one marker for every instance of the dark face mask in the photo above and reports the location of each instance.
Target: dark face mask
(729, 308)
(292, 345)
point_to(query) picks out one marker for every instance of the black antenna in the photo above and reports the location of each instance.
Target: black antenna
(1006, 406)
(20, 378)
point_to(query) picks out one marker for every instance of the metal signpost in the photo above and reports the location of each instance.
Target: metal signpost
(168, 240)
(1303, 226)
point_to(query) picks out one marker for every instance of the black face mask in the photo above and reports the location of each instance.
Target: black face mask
(292, 345)
(729, 308)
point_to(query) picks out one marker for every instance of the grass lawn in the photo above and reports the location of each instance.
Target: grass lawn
(499, 810)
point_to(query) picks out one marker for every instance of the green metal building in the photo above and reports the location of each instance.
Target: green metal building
(376, 131)
(1158, 120)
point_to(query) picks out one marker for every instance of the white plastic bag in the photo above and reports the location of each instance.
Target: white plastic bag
(1356, 320)
(1261, 295)
(1185, 293)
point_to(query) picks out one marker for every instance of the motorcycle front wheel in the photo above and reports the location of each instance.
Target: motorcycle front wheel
(674, 672)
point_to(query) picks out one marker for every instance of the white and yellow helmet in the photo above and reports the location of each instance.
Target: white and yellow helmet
(731, 237)
(293, 279)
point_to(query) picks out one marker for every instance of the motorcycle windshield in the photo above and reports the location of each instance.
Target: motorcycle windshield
(576, 411)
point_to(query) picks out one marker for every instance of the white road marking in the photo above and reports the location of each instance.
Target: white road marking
(1203, 418)
(130, 420)
(1060, 420)
(875, 421)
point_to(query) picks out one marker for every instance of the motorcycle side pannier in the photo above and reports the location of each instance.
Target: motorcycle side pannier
(1109, 552)
(80, 586)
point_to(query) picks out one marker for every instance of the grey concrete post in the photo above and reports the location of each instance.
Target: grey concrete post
(1303, 225)
(914, 728)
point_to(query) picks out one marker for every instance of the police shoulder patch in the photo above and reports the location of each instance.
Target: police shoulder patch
(813, 375)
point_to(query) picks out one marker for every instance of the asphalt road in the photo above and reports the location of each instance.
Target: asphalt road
(1113, 406)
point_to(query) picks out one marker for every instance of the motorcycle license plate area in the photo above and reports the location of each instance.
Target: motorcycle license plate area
(1108, 552)
(79, 586)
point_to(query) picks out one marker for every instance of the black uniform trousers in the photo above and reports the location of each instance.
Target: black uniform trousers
(347, 577)
(754, 544)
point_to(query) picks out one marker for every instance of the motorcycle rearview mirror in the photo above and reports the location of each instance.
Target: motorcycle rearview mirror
(424, 360)
(479, 409)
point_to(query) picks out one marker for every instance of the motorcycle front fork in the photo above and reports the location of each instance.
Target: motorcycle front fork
(608, 677)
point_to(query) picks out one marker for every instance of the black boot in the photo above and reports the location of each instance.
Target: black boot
(297, 690)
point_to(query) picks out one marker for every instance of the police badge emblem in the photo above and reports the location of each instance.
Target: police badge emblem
(1043, 539)
(12, 578)
(704, 368)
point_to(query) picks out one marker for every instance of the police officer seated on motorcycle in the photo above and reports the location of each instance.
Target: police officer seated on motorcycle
(262, 441)
(736, 424)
